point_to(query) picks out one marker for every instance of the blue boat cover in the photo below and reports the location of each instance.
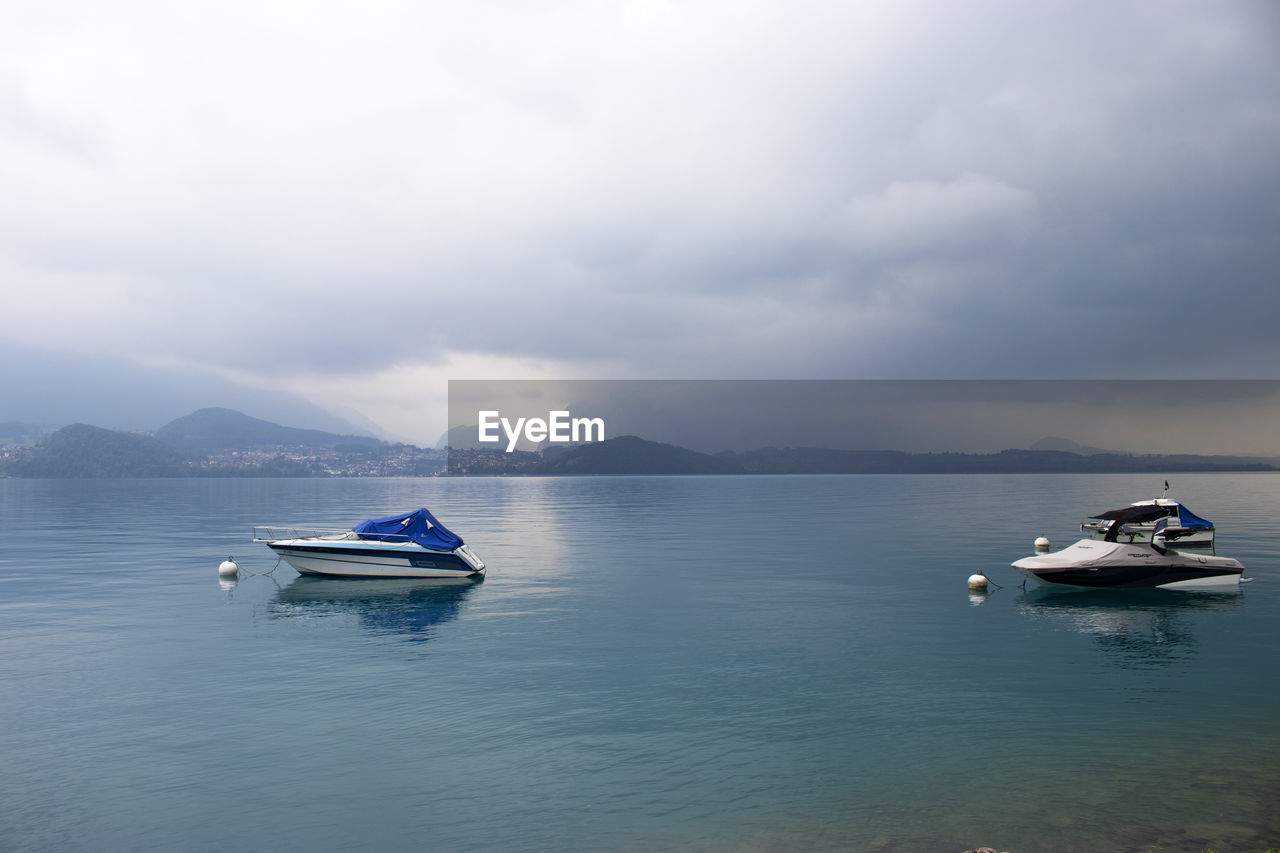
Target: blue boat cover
(1191, 521)
(418, 526)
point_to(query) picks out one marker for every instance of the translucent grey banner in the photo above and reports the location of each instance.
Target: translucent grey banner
(519, 425)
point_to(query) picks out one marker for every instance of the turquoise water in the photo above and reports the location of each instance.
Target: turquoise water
(713, 664)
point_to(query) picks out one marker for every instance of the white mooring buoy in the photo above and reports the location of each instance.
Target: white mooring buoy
(978, 581)
(1042, 543)
(228, 568)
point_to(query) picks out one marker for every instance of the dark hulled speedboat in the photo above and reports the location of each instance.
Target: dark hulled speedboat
(1110, 564)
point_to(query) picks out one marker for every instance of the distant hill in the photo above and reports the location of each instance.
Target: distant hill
(21, 434)
(629, 454)
(1066, 445)
(81, 450)
(215, 430)
(823, 461)
(460, 437)
(632, 455)
(816, 460)
(85, 451)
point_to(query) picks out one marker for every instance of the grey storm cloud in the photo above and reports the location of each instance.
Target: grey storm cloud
(920, 190)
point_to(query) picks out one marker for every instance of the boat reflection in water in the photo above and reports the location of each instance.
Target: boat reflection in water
(411, 608)
(1135, 628)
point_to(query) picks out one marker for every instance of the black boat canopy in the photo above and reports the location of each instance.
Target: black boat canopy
(1151, 512)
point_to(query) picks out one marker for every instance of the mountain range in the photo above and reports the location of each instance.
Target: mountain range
(181, 448)
(216, 430)
(633, 455)
(81, 450)
(224, 442)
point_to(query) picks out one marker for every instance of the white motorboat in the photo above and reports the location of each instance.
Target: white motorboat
(1136, 523)
(410, 545)
(1111, 564)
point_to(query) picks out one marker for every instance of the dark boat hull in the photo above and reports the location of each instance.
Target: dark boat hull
(1091, 564)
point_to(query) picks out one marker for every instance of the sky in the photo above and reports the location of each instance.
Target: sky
(321, 212)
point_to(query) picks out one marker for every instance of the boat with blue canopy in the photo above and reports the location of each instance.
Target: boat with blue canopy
(1137, 522)
(410, 545)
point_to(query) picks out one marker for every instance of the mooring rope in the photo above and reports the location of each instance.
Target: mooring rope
(267, 574)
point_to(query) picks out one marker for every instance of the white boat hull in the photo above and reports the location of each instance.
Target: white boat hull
(1115, 565)
(364, 559)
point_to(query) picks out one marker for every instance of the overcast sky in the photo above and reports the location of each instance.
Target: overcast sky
(351, 203)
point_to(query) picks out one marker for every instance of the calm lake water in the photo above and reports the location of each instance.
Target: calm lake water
(711, 664)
